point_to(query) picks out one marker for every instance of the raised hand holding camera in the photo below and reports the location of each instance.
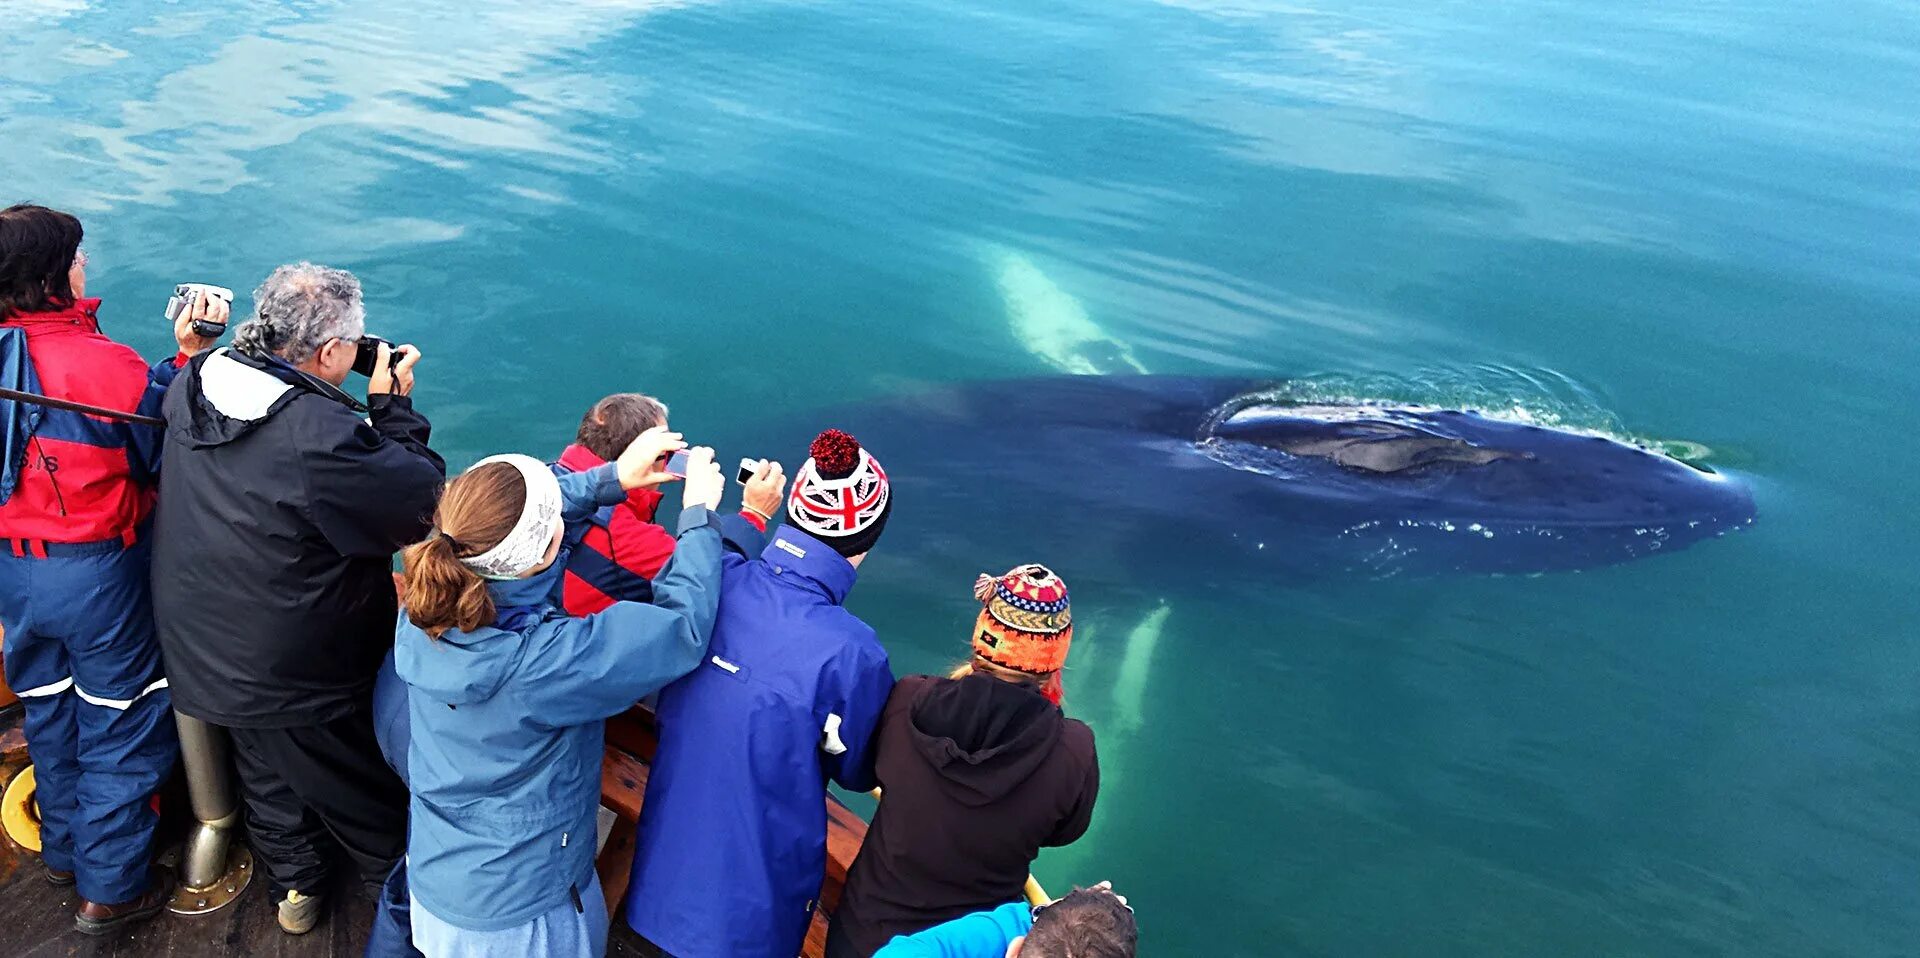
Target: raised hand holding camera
(199, 314)
(389, 368)
(765, 488)
(705, 482)
(643, 462)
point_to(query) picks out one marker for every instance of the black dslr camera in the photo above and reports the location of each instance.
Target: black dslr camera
(367, 356)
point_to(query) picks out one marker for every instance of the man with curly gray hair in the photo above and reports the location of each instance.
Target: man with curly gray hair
(284, 502)
(299, 311)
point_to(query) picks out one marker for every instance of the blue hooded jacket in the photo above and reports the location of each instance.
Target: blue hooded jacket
(507, 723)
(733, 837)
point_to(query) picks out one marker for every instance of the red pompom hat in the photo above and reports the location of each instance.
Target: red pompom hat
(841, 496)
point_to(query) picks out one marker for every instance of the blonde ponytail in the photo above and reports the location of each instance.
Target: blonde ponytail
(477, 509)
(442, 593)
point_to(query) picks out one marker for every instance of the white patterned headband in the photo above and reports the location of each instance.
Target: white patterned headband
(526, 545)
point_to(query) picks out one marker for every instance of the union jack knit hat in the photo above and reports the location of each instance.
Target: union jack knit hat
(841, 496)
(1027, 624)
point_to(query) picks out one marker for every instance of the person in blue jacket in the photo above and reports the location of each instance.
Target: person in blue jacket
(507, 697)
(732, 841)
(1089, 923)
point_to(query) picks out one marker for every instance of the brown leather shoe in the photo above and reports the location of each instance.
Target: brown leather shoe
(57, 877)
(94, 918)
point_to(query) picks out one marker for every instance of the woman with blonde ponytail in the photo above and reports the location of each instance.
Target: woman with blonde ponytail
(507, 697)
(980, 771)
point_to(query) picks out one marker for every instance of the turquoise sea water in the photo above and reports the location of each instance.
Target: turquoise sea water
(1692, 222)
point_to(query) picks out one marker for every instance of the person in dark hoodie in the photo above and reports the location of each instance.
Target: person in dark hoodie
(979, 771)
(272, 586)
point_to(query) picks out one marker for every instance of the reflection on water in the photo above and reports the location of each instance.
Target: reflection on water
(238, 86)
(1641, 219)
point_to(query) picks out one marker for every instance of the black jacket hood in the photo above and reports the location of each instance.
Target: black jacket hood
(230, 393)
(985, 736)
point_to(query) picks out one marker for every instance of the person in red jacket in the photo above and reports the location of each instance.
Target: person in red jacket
(624, 548)
(74, 601)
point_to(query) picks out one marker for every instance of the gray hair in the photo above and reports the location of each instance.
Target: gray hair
(298, 308)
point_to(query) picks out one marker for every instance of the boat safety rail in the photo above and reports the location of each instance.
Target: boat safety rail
(1036, 895)
(70, 406)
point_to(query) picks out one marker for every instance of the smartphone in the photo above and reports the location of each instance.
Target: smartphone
(677, 464)
(748, 467)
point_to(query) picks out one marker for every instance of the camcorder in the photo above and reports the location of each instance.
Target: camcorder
(187, 295)
(367, 356)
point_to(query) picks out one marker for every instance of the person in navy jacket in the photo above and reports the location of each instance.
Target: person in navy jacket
(274, 536)
(732, 842)
(74, 597)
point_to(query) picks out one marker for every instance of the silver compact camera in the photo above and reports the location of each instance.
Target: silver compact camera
(187, 295)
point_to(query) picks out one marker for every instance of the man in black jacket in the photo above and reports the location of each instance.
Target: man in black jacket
(273, 545)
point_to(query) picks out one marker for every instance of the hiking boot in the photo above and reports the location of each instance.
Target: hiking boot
(55, 876)
(94, 918)
(299, 913)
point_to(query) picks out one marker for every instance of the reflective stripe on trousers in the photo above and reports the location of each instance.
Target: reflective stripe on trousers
(85, 623)
(67, 683)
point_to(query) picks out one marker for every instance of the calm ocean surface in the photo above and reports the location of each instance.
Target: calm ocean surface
(1694, 222)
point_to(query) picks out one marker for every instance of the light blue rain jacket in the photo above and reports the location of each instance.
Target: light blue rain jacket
(508, 722)
(983, 934)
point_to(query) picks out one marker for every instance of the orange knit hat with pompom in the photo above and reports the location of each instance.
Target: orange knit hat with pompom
(1027, 624)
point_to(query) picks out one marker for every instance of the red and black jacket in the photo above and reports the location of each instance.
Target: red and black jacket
(84, 478)
(623, 550)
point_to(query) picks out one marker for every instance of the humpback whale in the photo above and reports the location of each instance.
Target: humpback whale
(1211, 479)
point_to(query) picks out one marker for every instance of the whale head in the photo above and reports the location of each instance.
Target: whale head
(1427, 489)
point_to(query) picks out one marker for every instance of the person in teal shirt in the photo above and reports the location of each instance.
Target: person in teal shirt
(1089, 923)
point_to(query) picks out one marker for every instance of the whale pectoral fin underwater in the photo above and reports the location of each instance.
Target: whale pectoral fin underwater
(1051, 323)
(1136, 663)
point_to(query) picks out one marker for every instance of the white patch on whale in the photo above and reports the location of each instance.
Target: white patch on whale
(1051, 322)
(1130, 685)
(1126, 715)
